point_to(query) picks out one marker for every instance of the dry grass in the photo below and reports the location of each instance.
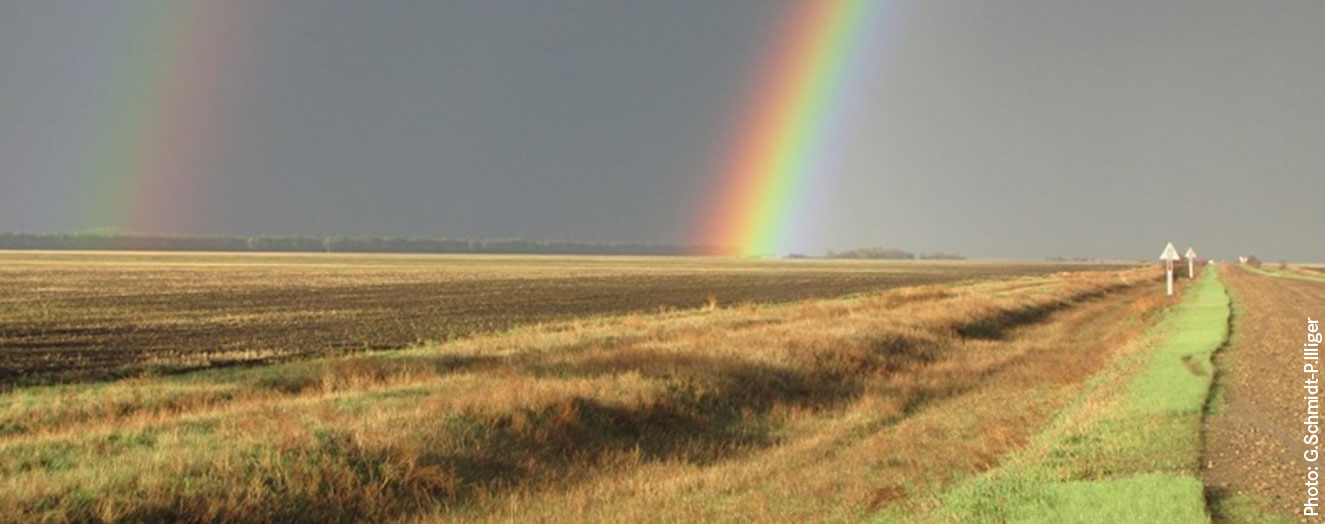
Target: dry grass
(823, 409)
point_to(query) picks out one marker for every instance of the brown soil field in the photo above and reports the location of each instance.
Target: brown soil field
(66, 315)
(1254, 438)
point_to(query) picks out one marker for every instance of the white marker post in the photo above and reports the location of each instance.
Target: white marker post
(1191, 256)
(1168, 256)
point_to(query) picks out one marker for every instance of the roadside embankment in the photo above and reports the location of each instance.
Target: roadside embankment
(1129, 448)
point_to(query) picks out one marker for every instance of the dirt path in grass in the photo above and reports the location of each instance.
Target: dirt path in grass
(1254, 440)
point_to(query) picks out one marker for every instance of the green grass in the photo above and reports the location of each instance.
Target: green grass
(1128, 449)
(1030, 496)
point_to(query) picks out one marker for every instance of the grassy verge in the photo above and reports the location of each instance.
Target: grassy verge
(1129, 449)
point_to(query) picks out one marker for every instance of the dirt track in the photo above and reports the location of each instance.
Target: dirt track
(1254, 442)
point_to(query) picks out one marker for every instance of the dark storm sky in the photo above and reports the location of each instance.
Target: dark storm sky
(1012, 128)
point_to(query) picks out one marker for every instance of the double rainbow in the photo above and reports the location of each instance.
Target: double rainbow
(168, 94)
(783, 139)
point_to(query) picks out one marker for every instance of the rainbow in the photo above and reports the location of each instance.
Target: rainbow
(782, 138)
(170, 73)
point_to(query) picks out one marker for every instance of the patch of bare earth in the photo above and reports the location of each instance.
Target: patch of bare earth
(1254, 442)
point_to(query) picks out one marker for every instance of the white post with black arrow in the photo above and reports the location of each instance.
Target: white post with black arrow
(1191, 257)
(1169, 255)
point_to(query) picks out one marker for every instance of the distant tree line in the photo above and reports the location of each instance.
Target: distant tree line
(890, 253)
(337, 244)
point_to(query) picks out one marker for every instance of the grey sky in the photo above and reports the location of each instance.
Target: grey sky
(995, 129)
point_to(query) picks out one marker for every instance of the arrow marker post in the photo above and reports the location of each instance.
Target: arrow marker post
(1191, 256)
(1168, 256)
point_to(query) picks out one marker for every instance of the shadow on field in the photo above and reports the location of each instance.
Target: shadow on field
(713, 409)
(997, 326)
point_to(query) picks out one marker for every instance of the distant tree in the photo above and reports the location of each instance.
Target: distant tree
(940, 256)
(882, 253)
